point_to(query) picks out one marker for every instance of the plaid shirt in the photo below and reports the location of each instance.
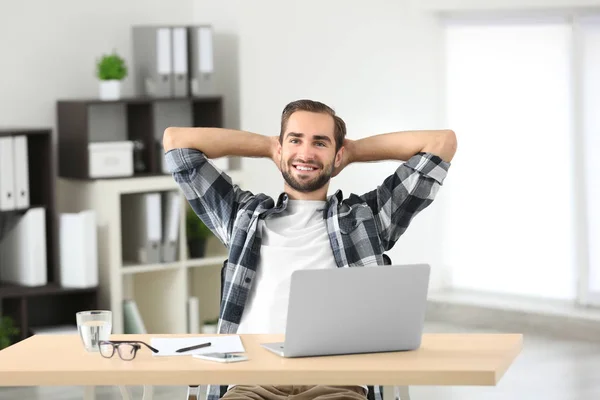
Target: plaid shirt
(361, 228)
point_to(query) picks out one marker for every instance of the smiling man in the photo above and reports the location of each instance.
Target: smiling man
(304, 228)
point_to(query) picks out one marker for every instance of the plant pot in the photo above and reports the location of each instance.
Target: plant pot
(196, 248)
(209, 328)
(110, 90)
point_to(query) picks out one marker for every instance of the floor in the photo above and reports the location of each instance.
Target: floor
(548, 369)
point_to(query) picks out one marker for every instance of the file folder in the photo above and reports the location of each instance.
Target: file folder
(141, 221)
(21, 169)
(180, 62)
(171, 226)
(202, 68)
(153, 60)
(7, 174)
(78, 250)
(23, 250)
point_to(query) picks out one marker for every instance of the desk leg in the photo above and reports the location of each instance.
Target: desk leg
(193, 393)
(89, 393)
(148, 392)
(401, 393)
(125, 393)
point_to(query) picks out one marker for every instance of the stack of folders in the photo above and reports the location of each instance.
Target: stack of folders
(23, 250)
(78, 250)
(132, 319)
(174, 61)
(151, 224)
(14, 173)
(193, 314)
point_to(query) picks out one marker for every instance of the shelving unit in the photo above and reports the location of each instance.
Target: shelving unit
(161, 290)
(84, 121)
(49, 304)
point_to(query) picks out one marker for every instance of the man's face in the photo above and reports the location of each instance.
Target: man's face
(308, 155)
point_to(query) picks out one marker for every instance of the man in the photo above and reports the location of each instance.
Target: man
(303, 228)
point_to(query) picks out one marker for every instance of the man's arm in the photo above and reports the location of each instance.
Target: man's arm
(209, 191)
(219, 142)
(399, 146)
(414, 184)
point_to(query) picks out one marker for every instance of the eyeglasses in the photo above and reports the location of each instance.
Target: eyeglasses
(127, 349)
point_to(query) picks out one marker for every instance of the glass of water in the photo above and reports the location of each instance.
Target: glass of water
(94, 326)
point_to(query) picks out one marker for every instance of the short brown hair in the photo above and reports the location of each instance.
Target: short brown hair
(317, 107)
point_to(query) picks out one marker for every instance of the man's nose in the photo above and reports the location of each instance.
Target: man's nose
(306, 152)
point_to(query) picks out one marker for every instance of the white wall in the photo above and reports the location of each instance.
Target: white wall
(378, 65)
(48, 49)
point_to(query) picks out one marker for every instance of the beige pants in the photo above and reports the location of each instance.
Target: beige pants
(244, 392)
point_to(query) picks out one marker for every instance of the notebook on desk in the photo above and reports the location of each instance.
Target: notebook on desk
(218, 344)
(355, 310)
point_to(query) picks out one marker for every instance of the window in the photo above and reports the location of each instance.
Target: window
(589, 35)
(510, 199)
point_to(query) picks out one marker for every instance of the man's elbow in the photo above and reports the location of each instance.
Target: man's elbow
(169, 141)
(443, 145)
(450, 145)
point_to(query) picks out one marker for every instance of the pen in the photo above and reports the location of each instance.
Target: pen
(199, 346)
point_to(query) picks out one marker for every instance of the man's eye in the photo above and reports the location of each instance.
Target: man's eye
(320, 144)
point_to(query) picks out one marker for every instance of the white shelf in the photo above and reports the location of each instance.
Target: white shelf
(141, 268)
(205, 262)
(161, 290)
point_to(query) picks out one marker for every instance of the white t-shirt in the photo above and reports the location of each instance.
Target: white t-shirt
(292, 240)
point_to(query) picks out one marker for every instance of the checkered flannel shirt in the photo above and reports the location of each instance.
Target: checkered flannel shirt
(361, 228)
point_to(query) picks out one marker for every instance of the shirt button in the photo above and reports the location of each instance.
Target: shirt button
(247, 280)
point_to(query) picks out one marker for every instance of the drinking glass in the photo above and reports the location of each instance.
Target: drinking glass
(94, 326)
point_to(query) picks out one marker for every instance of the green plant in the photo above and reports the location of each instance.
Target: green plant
(7, 330)
(111, 66)
(195, 228)
(212, 321)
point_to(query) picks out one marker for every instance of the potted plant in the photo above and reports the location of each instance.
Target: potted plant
(111, 70)
(210, 325)
(7, 331)
(197, 234)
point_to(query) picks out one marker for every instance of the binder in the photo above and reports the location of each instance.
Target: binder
(171, 227)
(23, 250)
(141, 221)
(132, 318)
(7, 174)
(153, 60)
(78, 250)
(202, 69)
(180, 62)
(193, 315)
(21, 170)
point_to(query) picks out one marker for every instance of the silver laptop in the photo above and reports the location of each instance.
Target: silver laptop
(355, 310)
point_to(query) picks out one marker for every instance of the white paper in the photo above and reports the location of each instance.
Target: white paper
(219, 344)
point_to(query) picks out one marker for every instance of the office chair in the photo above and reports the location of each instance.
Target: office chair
(388, 393)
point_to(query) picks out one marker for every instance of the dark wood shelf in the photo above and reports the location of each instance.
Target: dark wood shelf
(21, 130)
(140, 100)
(140, 119)
(8, 290)
(48, 304)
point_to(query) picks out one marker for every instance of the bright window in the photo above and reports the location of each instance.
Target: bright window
(509, 195)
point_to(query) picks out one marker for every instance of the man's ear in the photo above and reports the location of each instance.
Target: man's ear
(339, 157)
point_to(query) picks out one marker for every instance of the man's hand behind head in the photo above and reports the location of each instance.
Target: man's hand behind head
(346, 150)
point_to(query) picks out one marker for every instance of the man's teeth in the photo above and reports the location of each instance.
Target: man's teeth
(304, 168)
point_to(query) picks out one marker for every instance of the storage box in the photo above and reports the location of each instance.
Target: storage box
(110, 159)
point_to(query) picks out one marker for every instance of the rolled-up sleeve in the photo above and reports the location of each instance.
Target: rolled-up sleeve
(404, 194)
(209, 191)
